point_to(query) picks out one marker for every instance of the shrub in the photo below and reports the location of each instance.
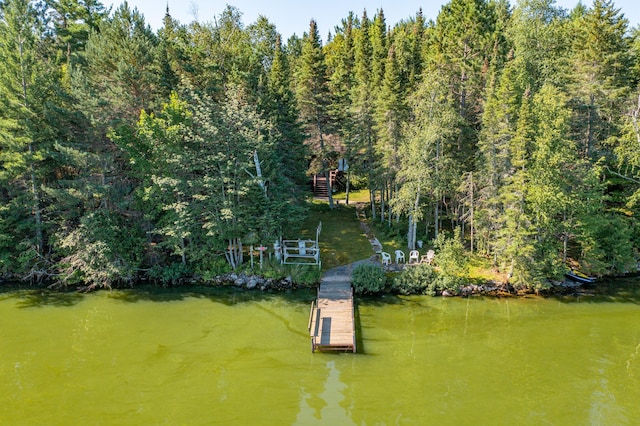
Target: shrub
(368, 278)
(172, 274)
(450, 255)
(208, 270)
(304, 275)
(418, 279)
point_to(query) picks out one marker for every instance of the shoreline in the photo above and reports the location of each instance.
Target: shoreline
(258, 284)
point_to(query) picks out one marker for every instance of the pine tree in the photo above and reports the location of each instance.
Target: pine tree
(515, 243)
(379, 49)
(313, 100)
(362, 104)
(390, 114)
(73, 20)
(461, 47)
(340, 61)
(171, 55)
(417, 43)
(500, 118)
(280, 108)
(603, 73)
(21, 149)
(120, 78)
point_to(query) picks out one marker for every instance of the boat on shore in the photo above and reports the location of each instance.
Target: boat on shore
(579, 277)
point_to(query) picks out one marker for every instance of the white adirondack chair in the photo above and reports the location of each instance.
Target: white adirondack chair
(428, 258)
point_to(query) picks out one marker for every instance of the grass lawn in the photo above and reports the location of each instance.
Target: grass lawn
(341, 240)
(390, 238)
(358, 196)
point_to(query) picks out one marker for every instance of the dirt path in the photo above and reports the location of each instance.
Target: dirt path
(375, 244)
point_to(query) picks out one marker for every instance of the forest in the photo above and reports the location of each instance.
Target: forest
(127, 153)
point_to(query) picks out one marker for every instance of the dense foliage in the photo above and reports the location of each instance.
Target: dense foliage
(368, 278)
(127, 153)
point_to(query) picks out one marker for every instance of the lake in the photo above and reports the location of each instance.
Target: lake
(230, 357)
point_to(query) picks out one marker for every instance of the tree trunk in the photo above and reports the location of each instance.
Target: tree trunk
(229, 254)
(372, 198)
(37, 212)
(327, 176)
(413, 226)
(436, 216)
(256, 162)
(589, 140)
(411, 234)
(382, 204)
(348, 187)
(565, 238)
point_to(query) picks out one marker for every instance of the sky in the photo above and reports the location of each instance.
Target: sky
(293, 16)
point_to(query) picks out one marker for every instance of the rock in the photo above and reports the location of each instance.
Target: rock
(288, 280)
(252, 283)
(239, 282)
(447, 293)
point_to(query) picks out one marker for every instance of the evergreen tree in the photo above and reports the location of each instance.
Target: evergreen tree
(515, 238)
(390, 116)
(500, 118)
(461, 46)
(280, 108)
(313, 101)
(379, 49)
(417, 42)
(340, 61)
(603, 71)
(22, 138)
(171, 55)
(362, 104)
(120, 78)
(73, 20)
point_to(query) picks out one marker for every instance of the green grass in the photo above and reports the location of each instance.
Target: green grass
(358, 196)
(390, 238)
(341, 240)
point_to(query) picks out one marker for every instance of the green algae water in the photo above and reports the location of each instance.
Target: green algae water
(137, 358)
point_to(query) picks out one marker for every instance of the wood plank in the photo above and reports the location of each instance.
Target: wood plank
(333, 327)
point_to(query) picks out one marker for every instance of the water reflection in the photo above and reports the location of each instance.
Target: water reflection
(38, 298)
(327, 406)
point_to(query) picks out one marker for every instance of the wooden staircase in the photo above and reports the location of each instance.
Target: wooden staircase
(320, 187)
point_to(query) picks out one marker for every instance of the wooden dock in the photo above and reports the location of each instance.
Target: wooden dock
(331, 321)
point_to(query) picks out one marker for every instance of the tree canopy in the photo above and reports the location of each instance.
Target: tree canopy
(129, 153)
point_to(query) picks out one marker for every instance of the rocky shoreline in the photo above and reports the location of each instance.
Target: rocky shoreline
(505, 289)
(253, 282)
